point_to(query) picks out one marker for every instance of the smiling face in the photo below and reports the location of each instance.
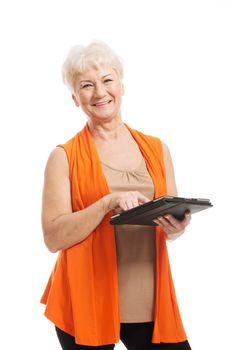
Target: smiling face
(98, 91)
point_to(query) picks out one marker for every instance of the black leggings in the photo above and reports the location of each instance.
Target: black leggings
(135, 336)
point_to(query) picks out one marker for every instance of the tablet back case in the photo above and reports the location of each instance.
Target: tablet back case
(146, 213)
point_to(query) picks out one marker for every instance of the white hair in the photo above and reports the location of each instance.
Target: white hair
(80, 58)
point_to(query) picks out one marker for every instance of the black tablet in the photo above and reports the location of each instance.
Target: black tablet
(145, 214)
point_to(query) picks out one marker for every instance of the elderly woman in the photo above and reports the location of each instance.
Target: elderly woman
(109, 283)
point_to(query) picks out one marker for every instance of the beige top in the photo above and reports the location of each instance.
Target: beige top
(135, 246)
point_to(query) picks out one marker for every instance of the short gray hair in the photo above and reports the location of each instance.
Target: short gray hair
(79, 58)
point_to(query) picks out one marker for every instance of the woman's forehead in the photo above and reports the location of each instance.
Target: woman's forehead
(95, 72)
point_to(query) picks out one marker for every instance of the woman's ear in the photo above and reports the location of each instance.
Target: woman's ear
(75, 100)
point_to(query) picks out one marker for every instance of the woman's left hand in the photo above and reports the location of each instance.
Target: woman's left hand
(172, 227)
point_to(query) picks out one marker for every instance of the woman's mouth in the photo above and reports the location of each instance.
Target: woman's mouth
(103, 103)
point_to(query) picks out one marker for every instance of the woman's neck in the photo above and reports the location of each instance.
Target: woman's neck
(108, 131)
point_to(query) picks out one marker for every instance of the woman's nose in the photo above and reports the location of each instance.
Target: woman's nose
(100, 90)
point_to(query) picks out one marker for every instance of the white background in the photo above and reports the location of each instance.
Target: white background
(179, 82)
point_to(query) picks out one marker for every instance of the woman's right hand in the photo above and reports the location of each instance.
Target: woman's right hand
(121, 201)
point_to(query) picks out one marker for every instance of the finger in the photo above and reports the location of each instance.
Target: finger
(179, 224)
(123, 204)
(187, 218)
(166, 225)
(166, 222)
(173, 221)
(159, 223)
(170, 229)
(141, 198)
(156, 222)
(117, 210)
(127, 201)
(134, 200)
(130, 204)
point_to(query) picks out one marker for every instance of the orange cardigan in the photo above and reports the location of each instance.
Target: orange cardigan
(81, 296)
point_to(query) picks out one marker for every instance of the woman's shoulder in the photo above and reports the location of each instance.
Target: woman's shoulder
(57, 158)
(156, 142)
(151, 138)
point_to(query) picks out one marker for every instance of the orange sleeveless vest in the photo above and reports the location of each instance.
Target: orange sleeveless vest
(81, 296)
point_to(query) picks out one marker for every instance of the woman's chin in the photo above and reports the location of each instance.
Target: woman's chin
(104, 117)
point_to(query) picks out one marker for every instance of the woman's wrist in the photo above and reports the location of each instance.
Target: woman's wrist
(173, 236)
(106, 203)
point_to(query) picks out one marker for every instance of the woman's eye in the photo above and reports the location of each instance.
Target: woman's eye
(86, 86)
(107, 80)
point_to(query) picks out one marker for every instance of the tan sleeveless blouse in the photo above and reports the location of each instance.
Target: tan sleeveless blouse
(135, 247)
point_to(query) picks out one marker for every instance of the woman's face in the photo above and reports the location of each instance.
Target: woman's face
(98, 91)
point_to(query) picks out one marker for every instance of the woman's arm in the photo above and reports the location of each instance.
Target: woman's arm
(170, 174)
(63, 228)
(171, 226)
